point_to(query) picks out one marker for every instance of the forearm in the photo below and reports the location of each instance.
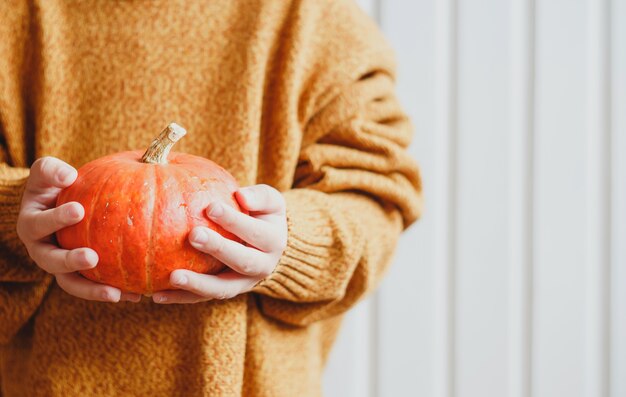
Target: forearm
(356, 189)
(339, 247)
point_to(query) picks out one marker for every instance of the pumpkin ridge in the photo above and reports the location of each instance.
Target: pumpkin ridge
(150, 250)
(120, 240)
(182, 176)
(62, 198)
(88, 226)
(103, 199)
(196, 184)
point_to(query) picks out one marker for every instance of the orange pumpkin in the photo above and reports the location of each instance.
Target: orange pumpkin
(139, 211)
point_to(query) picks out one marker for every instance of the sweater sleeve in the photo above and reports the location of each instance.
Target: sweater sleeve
(356, 189)
(22, 283)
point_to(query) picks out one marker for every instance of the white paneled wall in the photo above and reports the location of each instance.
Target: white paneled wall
(513, 283)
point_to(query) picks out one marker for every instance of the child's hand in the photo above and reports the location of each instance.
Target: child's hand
(37, 222)
(264, 231)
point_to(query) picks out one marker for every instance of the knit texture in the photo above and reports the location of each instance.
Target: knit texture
(295, 94)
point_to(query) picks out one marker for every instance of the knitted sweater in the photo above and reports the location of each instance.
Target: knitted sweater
(295, 94)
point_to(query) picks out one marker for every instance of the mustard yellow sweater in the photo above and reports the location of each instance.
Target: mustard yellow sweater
(295, 94)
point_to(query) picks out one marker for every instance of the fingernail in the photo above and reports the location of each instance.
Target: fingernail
(160, 299)
(106, 296)
(64, 174)
(216, 210)
(180, 280)
(90, 262)
(200, 237)
(73, 212)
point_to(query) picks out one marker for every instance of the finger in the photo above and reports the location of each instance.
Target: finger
(169, 297)
(262, 199)
(130, 297)
(47, 176)
(49, 172)
(242, 259)
(40, 224)
(56, 260)
(256, 232)
(77, 285)
(225, 285)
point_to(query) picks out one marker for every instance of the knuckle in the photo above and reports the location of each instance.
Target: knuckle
(69, 262)
(248, 267)
(217, 246)
(228, 220)
(43, 167)
(101, 294)
(255, 233)
(25, 225)
(63, 215)
(38, 226)
(58, 216)
(42, 223)
(254, 268)
(193, 283)
(66, 267)
(105, 293)
(41, 163)
(225, 293)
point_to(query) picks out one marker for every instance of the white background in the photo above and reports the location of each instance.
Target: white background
(513, 283)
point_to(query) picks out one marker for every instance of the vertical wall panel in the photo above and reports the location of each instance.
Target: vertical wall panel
(513, 283)
(597, 371)
(444, 190)
(482, 203)
(406, 308)
(370, 7)
(348, 371)
(618, 203)
(521, 196)
(560, 199)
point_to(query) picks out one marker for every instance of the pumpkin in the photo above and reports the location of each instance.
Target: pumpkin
(139, 210)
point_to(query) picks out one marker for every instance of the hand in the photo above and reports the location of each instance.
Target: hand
(37, 222)
(264, 231)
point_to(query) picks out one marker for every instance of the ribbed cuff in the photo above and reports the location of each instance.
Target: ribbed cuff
(316, 264)
(12, 183)
(15, 264)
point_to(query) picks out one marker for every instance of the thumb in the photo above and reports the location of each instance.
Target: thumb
(261, 199)
(47, 176)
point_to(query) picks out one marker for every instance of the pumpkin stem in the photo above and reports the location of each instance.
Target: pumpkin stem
(160, 148)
